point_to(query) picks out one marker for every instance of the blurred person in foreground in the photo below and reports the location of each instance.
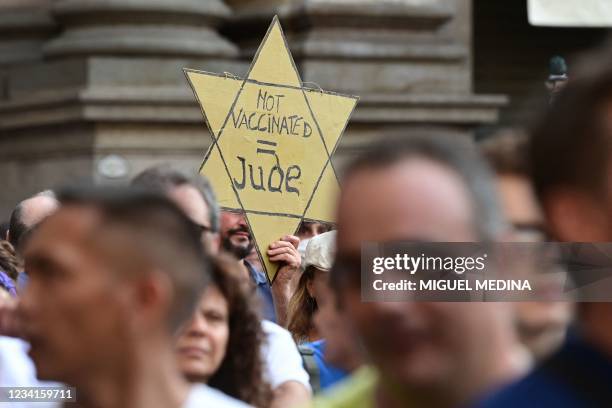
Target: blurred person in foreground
(282, 364)
(426, 354)
(571, 152)
(113, 273)
(304, 306)
(341, 347)
(541, 325)
(220, 345)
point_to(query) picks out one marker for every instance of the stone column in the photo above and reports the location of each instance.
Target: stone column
(24, 27)
(109, 96)
(409, 61)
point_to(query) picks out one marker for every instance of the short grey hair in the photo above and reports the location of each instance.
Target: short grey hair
(164, 177)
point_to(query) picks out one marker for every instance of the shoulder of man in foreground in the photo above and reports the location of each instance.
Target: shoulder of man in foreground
(202, 395)
(534, 390)
(578, 375)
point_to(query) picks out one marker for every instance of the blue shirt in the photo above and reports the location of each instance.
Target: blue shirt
(7, 283)
(22, 280)
(328, 374)
(264, 291)
(578, 375)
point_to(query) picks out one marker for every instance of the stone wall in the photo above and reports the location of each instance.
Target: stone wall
(511, 57)
(94, 90)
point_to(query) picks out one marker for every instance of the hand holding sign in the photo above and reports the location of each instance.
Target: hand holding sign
(285, 252)
(272, 144)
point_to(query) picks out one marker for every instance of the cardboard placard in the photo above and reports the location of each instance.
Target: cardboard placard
(272, 143)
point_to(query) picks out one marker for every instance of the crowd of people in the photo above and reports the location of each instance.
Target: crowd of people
(150, 295)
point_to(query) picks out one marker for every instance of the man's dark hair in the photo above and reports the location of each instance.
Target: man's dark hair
(4, 227)
(17, 228)
(459, 155)
(571, 142)
(507, 152)
(144, 232)
(162, 178)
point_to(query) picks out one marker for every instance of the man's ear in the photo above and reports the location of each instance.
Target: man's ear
(576, 216)
(153, 296)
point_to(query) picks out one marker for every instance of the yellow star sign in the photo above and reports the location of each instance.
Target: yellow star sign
(272, 143)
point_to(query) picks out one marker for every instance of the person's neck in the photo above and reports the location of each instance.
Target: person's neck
(148, 377)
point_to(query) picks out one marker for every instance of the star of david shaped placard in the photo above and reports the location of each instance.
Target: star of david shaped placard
(272, 143)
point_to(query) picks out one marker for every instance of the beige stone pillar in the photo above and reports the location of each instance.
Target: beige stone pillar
(107, 96)
(410, 61)
(24, 26)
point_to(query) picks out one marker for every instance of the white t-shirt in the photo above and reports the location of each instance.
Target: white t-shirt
(281, 357)
(17, 370)
(202, 396)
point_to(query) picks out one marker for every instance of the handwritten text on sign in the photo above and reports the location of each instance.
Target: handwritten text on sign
(272, 143)
(278, 145)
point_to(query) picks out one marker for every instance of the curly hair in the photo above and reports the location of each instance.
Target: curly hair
(9, 262)
(302, 308)
(240, 374)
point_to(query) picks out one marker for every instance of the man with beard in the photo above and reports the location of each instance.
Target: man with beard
(236, 239)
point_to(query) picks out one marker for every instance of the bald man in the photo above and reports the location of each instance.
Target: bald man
(27, 214)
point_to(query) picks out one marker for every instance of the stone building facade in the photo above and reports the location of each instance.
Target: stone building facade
(94, 90)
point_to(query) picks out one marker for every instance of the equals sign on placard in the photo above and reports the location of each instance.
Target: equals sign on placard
(269, 147)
